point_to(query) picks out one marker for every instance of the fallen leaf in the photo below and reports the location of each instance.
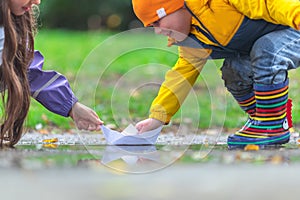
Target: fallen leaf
(45, 118)
(52, 140)
(251, 147)
(43, 131)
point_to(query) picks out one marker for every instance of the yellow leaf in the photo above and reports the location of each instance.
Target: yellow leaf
(251, 147)
(52, 140)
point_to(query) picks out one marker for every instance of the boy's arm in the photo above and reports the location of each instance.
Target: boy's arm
(178, 83)
(285, 12)
(50, 88)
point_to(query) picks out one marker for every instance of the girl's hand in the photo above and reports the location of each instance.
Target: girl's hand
(148, 125)
(85, 118)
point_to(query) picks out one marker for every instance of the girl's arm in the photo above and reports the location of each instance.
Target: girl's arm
(50, 88)
(1, 43)
(53, 91)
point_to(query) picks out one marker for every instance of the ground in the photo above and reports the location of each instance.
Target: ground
(78, 165)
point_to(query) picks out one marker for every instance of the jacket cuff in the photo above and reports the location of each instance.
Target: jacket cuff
(159, 113)
(68, 106)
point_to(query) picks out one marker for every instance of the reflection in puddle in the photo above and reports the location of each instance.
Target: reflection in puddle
(139, 159)
(125, 159)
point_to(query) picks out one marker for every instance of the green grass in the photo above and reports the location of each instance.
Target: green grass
(118, 76)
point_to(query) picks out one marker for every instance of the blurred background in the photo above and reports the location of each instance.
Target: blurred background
(115, 15)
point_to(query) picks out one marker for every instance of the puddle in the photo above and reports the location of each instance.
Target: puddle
(45, 151)
(139, 159)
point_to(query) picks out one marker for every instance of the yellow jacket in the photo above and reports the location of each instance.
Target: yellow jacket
(222, 20)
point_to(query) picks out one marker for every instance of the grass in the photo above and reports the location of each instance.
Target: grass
(118, 75)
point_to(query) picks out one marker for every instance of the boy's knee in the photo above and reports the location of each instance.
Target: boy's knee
(238, 79)
(237, 70)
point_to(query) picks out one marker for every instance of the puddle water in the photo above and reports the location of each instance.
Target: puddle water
(38, 151)
(139, 159)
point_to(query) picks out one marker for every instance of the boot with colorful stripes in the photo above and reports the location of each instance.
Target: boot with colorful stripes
(270, 123)
(247, 103)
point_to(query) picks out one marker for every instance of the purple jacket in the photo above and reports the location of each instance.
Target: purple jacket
(50, 88)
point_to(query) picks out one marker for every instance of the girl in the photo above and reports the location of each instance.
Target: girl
(21, 76)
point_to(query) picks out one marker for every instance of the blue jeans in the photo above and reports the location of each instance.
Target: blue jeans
(270, 58)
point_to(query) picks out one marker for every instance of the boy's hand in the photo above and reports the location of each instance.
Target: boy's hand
(85, 118)
(148, 125)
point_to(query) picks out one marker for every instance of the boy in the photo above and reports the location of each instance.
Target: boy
(259, 43)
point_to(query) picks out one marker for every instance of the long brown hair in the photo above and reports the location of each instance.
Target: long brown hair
(17, 54)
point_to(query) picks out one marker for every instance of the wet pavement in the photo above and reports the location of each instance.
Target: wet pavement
(82, 166)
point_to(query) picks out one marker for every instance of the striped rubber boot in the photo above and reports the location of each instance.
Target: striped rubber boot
(247, 103)
(270, 124)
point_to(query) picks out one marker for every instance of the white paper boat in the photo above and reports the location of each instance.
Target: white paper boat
(129, 138)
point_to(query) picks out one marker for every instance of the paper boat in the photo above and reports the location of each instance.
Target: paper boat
(124, 138)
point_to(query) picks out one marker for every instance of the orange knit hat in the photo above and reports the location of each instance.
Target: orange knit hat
(149, 11)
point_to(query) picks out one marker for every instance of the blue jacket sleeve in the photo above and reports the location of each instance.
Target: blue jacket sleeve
(50, 88)
(1, 42)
